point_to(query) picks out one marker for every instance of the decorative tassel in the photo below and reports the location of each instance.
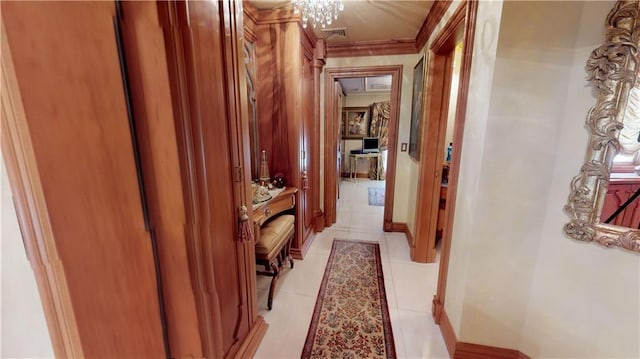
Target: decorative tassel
(244, 228)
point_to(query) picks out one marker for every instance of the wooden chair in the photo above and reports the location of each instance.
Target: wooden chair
(272, 248)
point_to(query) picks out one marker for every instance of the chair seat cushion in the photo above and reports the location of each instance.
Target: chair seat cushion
(274, 235)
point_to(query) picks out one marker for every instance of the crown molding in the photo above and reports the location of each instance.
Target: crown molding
(371, 48)
(436, 12)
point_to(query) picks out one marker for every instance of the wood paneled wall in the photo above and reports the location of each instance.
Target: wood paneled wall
(287, 95)
(210, 110)
(69, 79)
(72, 163)
(157, 141)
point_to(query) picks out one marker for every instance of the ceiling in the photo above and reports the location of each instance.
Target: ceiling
(369, 20)
(365, 85)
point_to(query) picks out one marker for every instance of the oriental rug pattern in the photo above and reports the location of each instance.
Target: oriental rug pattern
(351, 316)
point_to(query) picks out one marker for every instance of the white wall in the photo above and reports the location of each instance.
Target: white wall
(24, 332)
(403, 166)
(514, 279)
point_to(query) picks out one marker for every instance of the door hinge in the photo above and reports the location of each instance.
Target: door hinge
(303, 154)
(238, 174)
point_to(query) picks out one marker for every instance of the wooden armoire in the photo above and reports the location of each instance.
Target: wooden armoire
(287, 62)
(125, 128)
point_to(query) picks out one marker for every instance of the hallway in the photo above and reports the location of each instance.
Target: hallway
(409, 286)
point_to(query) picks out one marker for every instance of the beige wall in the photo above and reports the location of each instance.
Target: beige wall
(403, 167)
(480, 85)
(514, 279)
(453, 98)
(24, 329)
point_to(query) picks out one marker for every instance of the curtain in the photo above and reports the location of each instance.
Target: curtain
(380, 116)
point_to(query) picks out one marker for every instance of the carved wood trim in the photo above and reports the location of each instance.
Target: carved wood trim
(371, 48)
(33, 217)
(319, 56)
(331, 141)
(402, 228)
(318, 220)
(449, 28)
(448, 334)
(436, 12)
(397, 227)
(250, 20)
(277, 16)
(252, 342)
(460, 350)
(299, 253)
(454, 170)
(612, 71)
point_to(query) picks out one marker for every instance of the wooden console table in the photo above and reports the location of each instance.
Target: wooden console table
(353, 163)
(283, 201)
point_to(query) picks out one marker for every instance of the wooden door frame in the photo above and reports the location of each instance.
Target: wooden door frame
(462, 21)
(331, 141)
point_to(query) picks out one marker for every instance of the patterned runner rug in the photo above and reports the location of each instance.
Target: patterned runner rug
(351, 316)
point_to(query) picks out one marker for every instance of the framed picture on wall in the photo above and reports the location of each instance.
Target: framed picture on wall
(416, 107)
(355, 121)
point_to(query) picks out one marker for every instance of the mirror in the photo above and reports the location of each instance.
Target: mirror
(250, 73)
(614, 127)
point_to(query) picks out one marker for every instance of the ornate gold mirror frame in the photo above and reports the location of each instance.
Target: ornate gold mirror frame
(612, 69)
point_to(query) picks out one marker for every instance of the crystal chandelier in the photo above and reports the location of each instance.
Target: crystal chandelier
(321, 12)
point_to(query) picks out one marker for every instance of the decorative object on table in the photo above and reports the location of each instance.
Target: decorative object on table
(356, 122)
(416, 106)
(278, 180)
(260, 193)
(316, 11)
(352, 299)
(264, 169)
(376, 196)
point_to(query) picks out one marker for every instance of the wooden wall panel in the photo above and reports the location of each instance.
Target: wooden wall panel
(286, 118)
(210, 136)
(210, 109)
(69, 78)
(157, 141)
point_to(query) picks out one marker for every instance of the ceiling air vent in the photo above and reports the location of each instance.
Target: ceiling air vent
(340, 32)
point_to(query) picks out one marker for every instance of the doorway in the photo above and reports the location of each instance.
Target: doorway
(335, 150)
(458, 32)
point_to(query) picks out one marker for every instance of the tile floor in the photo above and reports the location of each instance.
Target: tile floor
(409, 286)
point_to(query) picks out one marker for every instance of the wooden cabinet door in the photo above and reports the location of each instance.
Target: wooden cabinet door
(207, 95)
